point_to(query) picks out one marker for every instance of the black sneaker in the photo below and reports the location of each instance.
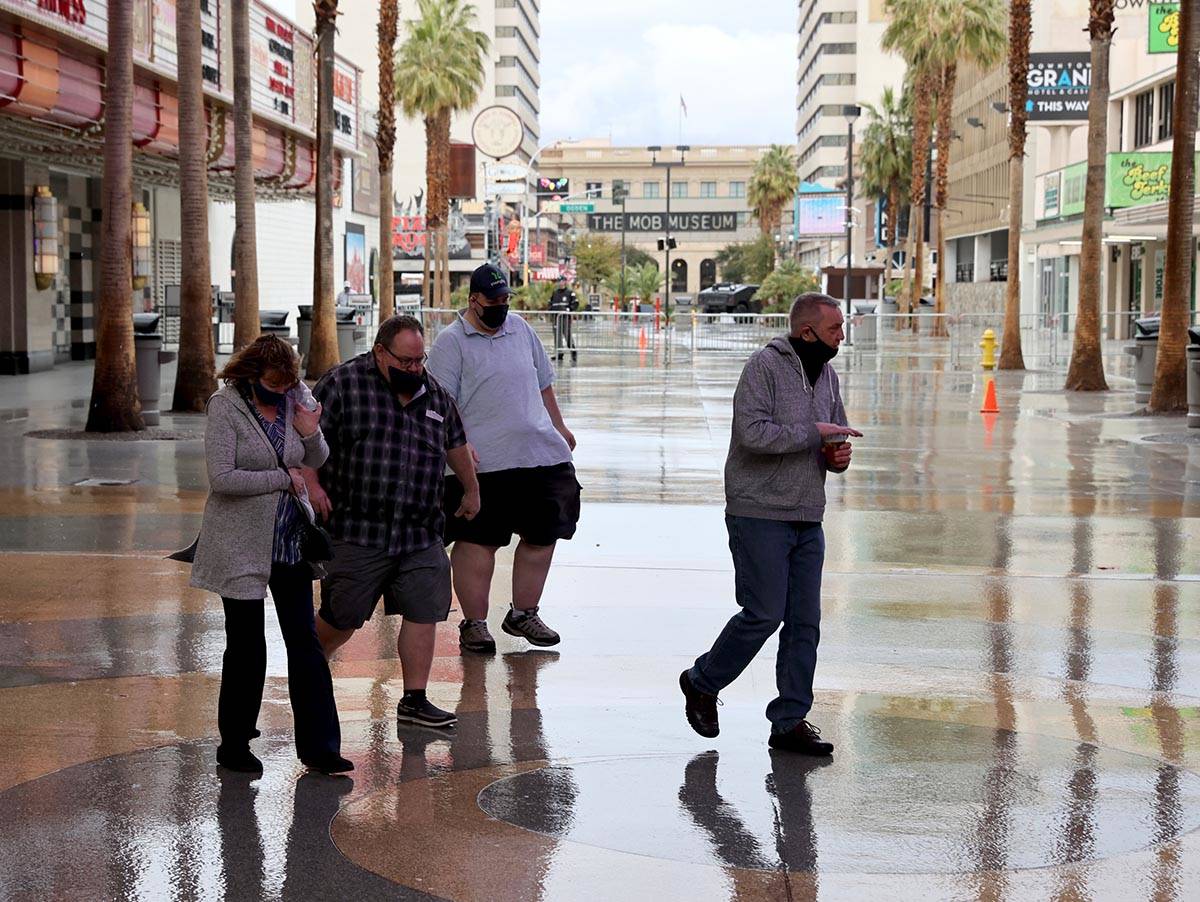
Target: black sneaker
(804, 739)
(701, 708)
(425, 713)
(241, 760)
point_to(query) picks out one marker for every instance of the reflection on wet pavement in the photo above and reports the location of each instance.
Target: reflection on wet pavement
(1010, 667)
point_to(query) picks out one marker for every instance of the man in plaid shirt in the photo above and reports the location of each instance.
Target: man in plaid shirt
(391, 431)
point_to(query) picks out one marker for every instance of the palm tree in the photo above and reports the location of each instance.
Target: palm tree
(644, 282)
(195, 380)
(1170, 374)
(971, 33)
(385, 143)
(246, 326)
(912, 28)
(1019, 30)
(439, 71)
(1086, 372)
(323, 347)
(114, 403)
(887, 161)
(772, 187)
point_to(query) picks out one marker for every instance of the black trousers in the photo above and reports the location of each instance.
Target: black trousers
(244, 667)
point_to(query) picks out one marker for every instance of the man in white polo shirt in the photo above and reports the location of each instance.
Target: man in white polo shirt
(499, 374)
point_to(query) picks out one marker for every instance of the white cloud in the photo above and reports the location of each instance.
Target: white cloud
(622, 73)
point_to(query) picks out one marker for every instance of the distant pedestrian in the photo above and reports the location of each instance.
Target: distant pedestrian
(343, 299)
(391, 431)
(789, 430)
(496, 368)
(564, 302)
(256, 438)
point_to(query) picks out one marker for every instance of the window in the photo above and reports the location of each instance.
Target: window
(844, 18)
(679, 189)
(743, 217)
(651, 189)
(594, 189)
(1143, 119)
(708, 189)
(836, 48)
(737, 189)
(1166, 111)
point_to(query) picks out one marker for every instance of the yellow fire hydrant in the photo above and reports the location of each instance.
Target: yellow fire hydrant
(989, 349)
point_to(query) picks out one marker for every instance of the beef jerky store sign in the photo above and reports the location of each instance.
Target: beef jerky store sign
(656, 222)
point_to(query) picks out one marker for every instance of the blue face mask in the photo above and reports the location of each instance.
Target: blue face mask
(266, 396)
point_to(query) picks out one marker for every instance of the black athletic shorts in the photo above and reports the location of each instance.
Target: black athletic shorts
(540, 504)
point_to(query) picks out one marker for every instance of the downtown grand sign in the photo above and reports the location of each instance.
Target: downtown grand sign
(712, 221)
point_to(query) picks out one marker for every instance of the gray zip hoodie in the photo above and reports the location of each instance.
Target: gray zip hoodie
(775, 469)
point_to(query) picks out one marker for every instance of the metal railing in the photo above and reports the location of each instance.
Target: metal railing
(1046, 339)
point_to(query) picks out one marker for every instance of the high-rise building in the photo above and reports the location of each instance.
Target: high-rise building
(840, 63)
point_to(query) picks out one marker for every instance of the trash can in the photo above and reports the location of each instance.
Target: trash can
(348, 332)
(147, 343)
(304, 328)
(1193, 378)
(274, 322)
(865, 329)
(1144, 351)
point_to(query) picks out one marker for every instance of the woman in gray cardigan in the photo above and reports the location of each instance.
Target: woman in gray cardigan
(257, 438)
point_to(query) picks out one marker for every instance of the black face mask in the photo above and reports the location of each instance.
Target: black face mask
(404, 382)
(266, 396)
(813, 356)
(493, 317)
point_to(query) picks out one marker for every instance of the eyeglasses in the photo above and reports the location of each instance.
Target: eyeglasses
(407, 363)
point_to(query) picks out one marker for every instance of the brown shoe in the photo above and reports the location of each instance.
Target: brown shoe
(701, 708)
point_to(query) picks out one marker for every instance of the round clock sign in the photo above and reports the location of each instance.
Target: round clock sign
(497, 131)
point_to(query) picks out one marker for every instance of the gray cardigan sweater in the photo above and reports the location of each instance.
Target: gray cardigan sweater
(233, 554)
(775, 469)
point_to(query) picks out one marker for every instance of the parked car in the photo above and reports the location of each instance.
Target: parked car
(729, 297)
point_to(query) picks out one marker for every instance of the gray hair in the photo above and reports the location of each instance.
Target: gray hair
(806, 308)
(394, 325)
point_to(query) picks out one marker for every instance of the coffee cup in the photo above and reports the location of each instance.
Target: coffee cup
(830, 445)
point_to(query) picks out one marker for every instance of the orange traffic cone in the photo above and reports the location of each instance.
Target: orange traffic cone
(989, 398)
(642, 339)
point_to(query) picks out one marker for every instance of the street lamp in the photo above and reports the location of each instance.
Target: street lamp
(851, 112)
(668, 241)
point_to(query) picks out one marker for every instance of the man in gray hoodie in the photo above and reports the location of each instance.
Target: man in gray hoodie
(789, 430)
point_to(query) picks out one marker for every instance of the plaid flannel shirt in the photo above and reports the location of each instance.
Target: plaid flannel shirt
(387, 462)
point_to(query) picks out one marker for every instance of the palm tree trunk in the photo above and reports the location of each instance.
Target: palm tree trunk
(923, 105)
(246, 326)
(323, 348)
(893, 227)
(385, 142)
(910, 245)
(1086, 372)
(433, 212)
(114, 404)
(1019, 29)
(1170, 374)
(196, 379)
(944, 136)
(426, 288)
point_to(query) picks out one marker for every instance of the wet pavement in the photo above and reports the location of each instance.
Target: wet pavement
(1010, 669)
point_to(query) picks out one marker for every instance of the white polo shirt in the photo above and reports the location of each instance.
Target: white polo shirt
(497, 381)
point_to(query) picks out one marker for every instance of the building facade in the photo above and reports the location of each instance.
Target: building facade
(52, 72)
(839, 63)
(1140, 135)
(707, 194)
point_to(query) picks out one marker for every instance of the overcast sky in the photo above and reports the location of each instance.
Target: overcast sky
(618, 68)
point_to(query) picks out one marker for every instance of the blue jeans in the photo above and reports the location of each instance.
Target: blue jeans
(777, 578)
